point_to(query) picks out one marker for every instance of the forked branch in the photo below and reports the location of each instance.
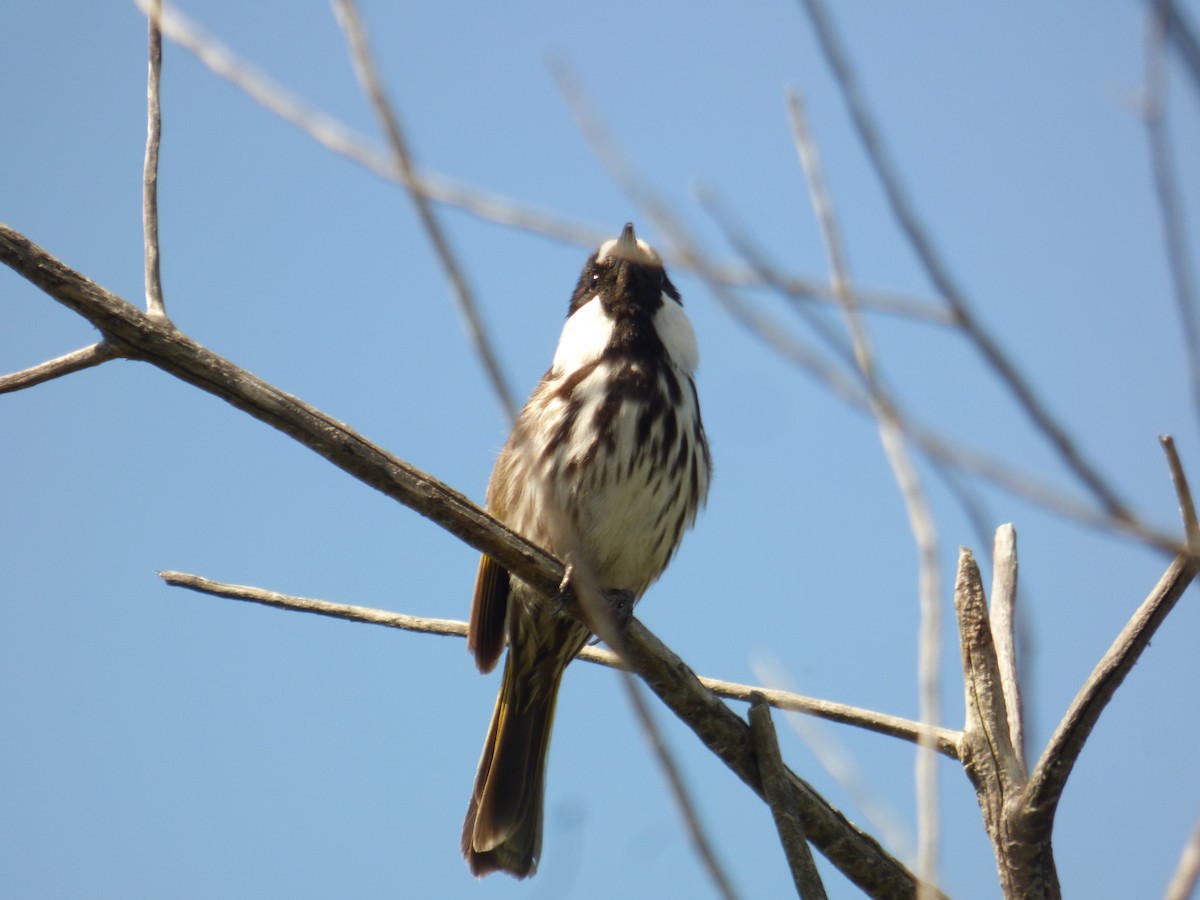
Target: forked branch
(56, 368)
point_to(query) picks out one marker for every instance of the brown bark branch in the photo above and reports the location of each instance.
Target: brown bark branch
(1003, 615)
(1187, 505)
(154, 293)
(160, 343)
(56, 368)
(782, 801)
(1025, 866)
(1054, 767)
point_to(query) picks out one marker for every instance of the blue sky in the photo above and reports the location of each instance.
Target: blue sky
(159, 743)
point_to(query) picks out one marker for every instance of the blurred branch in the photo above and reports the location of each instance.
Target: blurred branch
(767, 274)
(1180, 32)
(690, 254)
(1187, 874)
(679, 790)
(1166, 188)
(762, 273)
(339, 139)
(914, 231)
(154, 293)
(161, 344)
(581, 584)
(368, 76)
(841, 765)
(920, 518)
(783, 803)
(56, 368)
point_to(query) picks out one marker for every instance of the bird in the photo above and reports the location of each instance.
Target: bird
(607, 462)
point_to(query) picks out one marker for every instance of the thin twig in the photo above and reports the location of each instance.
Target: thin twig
(154, 292)
(746, 248)
(869, 720)
(679, 790)
(582, 583)
(798, 289)
(783, 803)
(1183, 35)
(1057, 761)
(920, 518)
(939, 274)
(1187, 874)
(687, 250)
(385, 110)
(1187, 505)
(338, 138)
(56, 368)
(344, 611)
(485, 205)
(946, 740)
(839, 762)
(1166, 188)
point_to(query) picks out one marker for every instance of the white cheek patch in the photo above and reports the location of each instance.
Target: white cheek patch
(678, 337)
(584, 337)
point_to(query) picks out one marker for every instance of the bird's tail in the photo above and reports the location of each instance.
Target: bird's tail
(503, 830)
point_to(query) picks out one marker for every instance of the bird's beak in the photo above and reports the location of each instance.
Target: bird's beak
(627, 245)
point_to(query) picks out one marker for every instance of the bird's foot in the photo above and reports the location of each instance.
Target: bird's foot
(619, 603)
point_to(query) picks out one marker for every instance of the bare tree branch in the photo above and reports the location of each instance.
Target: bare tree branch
(869, 720)
(914, 231)
(1003, 615)
(160, 343)
(56, 368)
(1187, 506)
(385, 110)
(945, 740)
(783, 803)
(341, 140)
(1187, 874)
(488, 206)
(1057, 761)
(690, 255)
(920, 519)
(679, 790)
(1024, 856)
(1166, 187)
(1183, 36)
(154, 294)
(344, 611)
(581, 584)
(840, 763)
